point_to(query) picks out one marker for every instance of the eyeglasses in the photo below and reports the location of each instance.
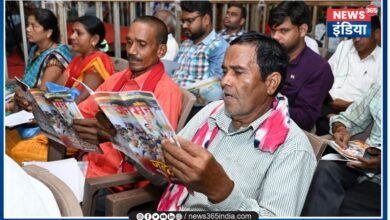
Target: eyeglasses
(189, 20)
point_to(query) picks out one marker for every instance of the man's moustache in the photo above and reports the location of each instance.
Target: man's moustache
(134, 58)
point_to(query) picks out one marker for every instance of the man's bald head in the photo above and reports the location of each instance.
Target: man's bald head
(168, 18)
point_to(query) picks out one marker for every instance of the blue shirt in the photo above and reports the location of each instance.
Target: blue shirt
(200, 61)
(308, 81)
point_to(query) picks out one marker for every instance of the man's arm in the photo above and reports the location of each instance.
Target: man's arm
(309, 100)
(94, 130)
(285, 186)
(357, 117)
(339, 105)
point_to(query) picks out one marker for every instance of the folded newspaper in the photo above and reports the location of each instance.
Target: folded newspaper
(54, 113)
(206, 91)
(355, 149)
(140, 126)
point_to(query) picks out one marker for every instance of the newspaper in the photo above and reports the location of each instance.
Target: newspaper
(206, 91)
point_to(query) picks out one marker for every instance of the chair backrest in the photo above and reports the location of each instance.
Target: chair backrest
(119, 64)
(319, 144)
(66, 200)
(187, 103)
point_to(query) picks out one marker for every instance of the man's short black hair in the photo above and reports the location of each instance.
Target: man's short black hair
(161, 28)
(297, 11)
(241, 7)
(270, 55)
(203, 7)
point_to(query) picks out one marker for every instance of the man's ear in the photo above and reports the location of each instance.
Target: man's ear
(242, 21)
(162, 50)
(303, 28)
(272, 82)
(206, 19)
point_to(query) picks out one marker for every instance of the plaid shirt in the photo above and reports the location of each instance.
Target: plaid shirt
(200, 61)
(230, 37)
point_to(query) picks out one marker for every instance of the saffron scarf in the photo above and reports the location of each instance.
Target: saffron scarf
(269, 136)
(114, 159)
(79, 66)
(151, 80)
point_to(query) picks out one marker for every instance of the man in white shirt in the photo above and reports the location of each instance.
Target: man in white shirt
(24, 196)
(356, 66)
(169, 19)
(312, 44)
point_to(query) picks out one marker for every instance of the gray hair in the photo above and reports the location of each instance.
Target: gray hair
(170, 21)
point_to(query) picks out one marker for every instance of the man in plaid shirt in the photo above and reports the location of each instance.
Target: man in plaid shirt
(201, 55)
(233, 22)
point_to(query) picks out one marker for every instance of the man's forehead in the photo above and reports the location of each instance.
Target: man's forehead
(141, 30)
(187, 14)
(285, 24)
(240, 55)
(234, 9)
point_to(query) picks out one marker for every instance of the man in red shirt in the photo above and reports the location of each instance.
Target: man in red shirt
(145, 44)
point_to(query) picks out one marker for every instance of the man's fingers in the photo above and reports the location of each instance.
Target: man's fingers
(355, 164)
(89, 138)
(104, 136)
(84, 129)
(341, 140)
(109, 131)
(85, 122)
(181, 175)
(103, 120)
(191, 148)
(180, 154)
(172, 161)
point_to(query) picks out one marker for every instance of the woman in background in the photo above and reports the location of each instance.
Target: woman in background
(47, 58)
(92, 66)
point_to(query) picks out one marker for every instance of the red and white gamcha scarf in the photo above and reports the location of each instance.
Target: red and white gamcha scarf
(269, 136)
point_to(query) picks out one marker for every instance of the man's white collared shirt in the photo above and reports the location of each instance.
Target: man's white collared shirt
(354, 76)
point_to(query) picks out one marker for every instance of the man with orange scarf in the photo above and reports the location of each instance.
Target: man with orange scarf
(146, 44)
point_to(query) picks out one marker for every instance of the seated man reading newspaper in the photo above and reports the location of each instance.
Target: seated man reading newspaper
(243, 153)
(351, 188)
(146, 41)
(146, 44)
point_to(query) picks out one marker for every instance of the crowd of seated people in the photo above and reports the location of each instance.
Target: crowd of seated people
(246, 152)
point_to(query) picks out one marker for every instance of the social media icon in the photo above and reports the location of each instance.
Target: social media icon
(179, 216)
(163, 216)
(140, 216)
(155, 216)
(171, 216)
(148, 216)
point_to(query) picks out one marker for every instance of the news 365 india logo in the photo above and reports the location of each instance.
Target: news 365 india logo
(350, 22)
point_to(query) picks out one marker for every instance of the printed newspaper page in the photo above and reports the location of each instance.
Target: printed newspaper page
(141, 126)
